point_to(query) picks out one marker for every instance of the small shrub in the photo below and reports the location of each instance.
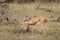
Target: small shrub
(5, 5)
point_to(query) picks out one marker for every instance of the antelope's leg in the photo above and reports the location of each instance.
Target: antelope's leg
(27, 28)
(31, 28)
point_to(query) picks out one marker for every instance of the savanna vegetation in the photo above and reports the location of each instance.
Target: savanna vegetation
(29, 19)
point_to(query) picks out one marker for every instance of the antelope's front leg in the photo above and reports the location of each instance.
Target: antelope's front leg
(31, 28)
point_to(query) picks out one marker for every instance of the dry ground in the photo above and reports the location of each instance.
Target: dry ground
(17, 11)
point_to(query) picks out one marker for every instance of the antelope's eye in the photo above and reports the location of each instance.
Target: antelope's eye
(21, 24)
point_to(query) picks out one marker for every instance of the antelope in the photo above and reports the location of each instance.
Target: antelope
(34, 21)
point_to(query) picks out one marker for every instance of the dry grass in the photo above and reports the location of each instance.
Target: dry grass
(18, 10)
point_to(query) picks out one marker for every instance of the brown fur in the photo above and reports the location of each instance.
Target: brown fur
(35, 20)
